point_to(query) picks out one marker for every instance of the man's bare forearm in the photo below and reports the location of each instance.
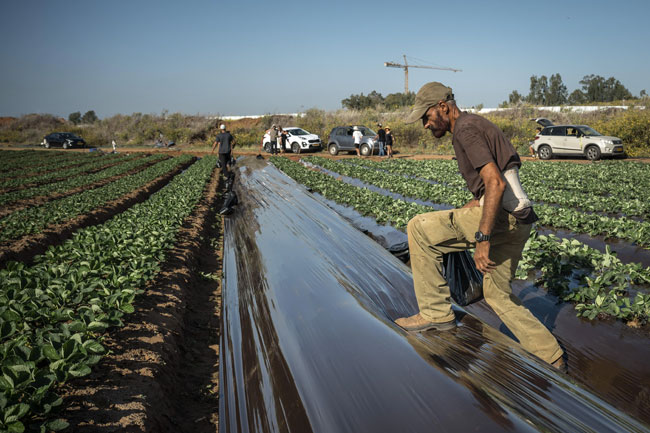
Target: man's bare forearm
(472, 203)
(491, 206)
(494, 187)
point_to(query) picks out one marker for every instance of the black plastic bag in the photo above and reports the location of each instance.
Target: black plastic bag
(230, 181)
(401, 251)
(465, 281)
(230, 200)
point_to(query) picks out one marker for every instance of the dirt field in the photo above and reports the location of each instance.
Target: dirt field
(162, 373)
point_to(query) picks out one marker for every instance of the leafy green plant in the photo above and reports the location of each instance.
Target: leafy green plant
(35, 219)
(52, 314)
(446, 189)
(598, 283)
(60, 170)
(125, 165)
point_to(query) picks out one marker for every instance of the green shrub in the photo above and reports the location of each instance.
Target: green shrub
(632, 126)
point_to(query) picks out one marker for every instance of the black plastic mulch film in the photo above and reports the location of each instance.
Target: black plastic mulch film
(308, 341)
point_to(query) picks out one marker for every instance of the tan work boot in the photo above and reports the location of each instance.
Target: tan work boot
(419, 323)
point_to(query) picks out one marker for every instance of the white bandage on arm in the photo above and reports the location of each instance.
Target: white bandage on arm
(514, 196)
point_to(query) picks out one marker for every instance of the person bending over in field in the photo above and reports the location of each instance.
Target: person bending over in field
(497, 223)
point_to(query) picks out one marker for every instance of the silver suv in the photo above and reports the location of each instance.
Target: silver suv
(340, 140)
(574, 140)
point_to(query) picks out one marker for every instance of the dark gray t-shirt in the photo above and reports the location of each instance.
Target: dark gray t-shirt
(226, 139)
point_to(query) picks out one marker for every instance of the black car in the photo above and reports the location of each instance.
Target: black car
(63, 139)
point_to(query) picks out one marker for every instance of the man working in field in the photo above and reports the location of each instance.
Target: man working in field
(226, 142)
(497, 222)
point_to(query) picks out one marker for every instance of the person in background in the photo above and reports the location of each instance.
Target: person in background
(530, 148)
(114, 146)
(284, 136)
(381, 139)
(225, 142)
(278, 142)
(357, 136)
(273, 138)
(497, 223)
(390, 140)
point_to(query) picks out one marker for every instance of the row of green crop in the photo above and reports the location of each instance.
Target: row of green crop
(563, 218)
(605, 284)
(61, 172)
(620, 179)
(35, 219)
(12, 160)
(605, 187)
(125, 166)
(616, 178)
(42, 162)
(52, 314)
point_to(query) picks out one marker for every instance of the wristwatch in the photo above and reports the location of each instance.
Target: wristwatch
(481, 237)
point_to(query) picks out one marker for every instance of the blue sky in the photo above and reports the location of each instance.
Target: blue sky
(257, 57)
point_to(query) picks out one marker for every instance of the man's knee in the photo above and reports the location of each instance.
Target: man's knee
(414, 226)
(411, 226)
(498, 294)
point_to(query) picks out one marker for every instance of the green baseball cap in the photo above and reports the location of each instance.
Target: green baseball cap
(428, 96)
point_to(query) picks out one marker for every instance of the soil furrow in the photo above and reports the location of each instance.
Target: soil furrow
(162, 372)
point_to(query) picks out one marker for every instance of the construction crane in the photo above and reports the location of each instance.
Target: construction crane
(406, 67)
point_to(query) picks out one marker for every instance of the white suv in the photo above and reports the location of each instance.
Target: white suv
(298, 140)
(574, 140)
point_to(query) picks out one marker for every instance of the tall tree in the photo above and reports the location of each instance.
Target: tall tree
(557, 91)
(361, 102)
(89, 117)
(397, 100)
(514, 98)
(598, 89)
(616, 91)
(577, 97)
(538, 90)
(75, 117)
(593, 88)
(374, 99)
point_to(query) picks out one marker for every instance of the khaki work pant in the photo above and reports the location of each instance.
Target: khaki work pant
(433, 234)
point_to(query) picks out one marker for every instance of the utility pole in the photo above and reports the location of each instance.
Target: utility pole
(406, 67)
